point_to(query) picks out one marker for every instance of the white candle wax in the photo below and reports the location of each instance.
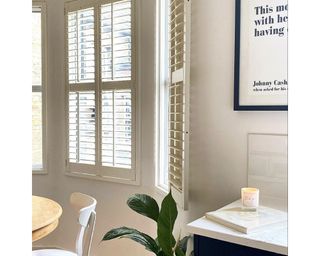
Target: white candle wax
(250, 197)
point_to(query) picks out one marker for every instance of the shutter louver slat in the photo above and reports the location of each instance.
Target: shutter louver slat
(116, 135)
(116, 66)
(178, 102)
(81, 46)
(116, 41)
(82, 127)
(176, 131)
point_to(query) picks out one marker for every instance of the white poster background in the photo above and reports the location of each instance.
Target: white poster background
(263, 58)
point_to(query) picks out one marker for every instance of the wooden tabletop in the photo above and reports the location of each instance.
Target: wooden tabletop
(42, 232)
(45, 215)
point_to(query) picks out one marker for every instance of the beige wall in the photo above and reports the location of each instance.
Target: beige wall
(218, 142)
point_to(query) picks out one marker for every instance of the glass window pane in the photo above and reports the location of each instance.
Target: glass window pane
(36, 48)
(37, 162)
(36, 130)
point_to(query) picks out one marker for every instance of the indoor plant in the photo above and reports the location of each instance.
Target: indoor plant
(165, 244)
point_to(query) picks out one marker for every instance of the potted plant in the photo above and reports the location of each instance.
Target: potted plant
(165, 244)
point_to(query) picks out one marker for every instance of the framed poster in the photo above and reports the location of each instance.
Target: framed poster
(260, 69)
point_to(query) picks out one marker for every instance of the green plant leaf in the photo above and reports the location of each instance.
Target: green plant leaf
(166, 220)
(161, 253)
(144, 205)
(179, 252)
(135, 235)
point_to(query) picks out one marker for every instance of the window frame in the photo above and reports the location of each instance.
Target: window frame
(98, 171)
(163, 80)
(43, 89)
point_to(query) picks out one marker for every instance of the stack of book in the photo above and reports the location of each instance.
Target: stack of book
(246, 220)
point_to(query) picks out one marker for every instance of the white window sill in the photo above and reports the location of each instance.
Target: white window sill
(103, 178)
(39, 171)
(161, 191)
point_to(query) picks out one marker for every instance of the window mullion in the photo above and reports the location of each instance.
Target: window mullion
(98, 106)
(113, 103)
(113, 128)
(112, 60)
(77, 56)
(78, 126)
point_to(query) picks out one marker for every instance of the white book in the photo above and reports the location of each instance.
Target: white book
(246, 221)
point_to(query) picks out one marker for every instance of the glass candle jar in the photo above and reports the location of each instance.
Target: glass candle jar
(250, 198)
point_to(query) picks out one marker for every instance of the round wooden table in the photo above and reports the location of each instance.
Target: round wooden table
(45, 216)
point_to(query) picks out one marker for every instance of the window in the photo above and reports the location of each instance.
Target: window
(101, 91)
(38, 88)
(163, 85)
(174, 98)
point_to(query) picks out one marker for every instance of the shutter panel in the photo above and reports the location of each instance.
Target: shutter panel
(116, 64)
(82, 127)
(116, 128)
(81, 70)
(179, 65)
(81, 46)
(116, 41)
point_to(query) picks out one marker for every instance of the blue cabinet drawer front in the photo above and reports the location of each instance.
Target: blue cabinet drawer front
(204, 246)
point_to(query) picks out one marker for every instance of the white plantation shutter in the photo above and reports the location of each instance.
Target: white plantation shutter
(81, 46)
(116, 128)
(82, 127)
(179, 67)
(117, 84)
(116, 41)
(81, 86)
(101, 89)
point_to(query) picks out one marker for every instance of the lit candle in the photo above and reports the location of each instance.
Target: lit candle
(250, 198)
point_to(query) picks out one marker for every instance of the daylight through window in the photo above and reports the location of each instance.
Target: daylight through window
(37, 90)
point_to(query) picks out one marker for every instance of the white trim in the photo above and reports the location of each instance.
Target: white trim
(44, 61)
(185, 184)
(99, 178)
(162, 77)
(101, 171)
(177, 75)
(136, 35)
(38, 2)
(74, 5)
(98, 103)
(117, 85)
(113, 174)
(82, 87)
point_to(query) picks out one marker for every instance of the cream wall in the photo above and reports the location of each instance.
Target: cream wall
(218, 140)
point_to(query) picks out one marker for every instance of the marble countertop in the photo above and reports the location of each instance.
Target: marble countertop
(273, 238)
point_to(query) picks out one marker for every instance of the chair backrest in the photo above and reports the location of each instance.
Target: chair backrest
(85, 206)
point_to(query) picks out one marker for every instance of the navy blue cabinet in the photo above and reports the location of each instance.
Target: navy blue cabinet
(204, 246)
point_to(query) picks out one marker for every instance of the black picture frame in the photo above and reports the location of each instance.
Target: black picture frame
(237, 106)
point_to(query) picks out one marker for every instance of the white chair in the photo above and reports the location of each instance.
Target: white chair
(85, 205)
